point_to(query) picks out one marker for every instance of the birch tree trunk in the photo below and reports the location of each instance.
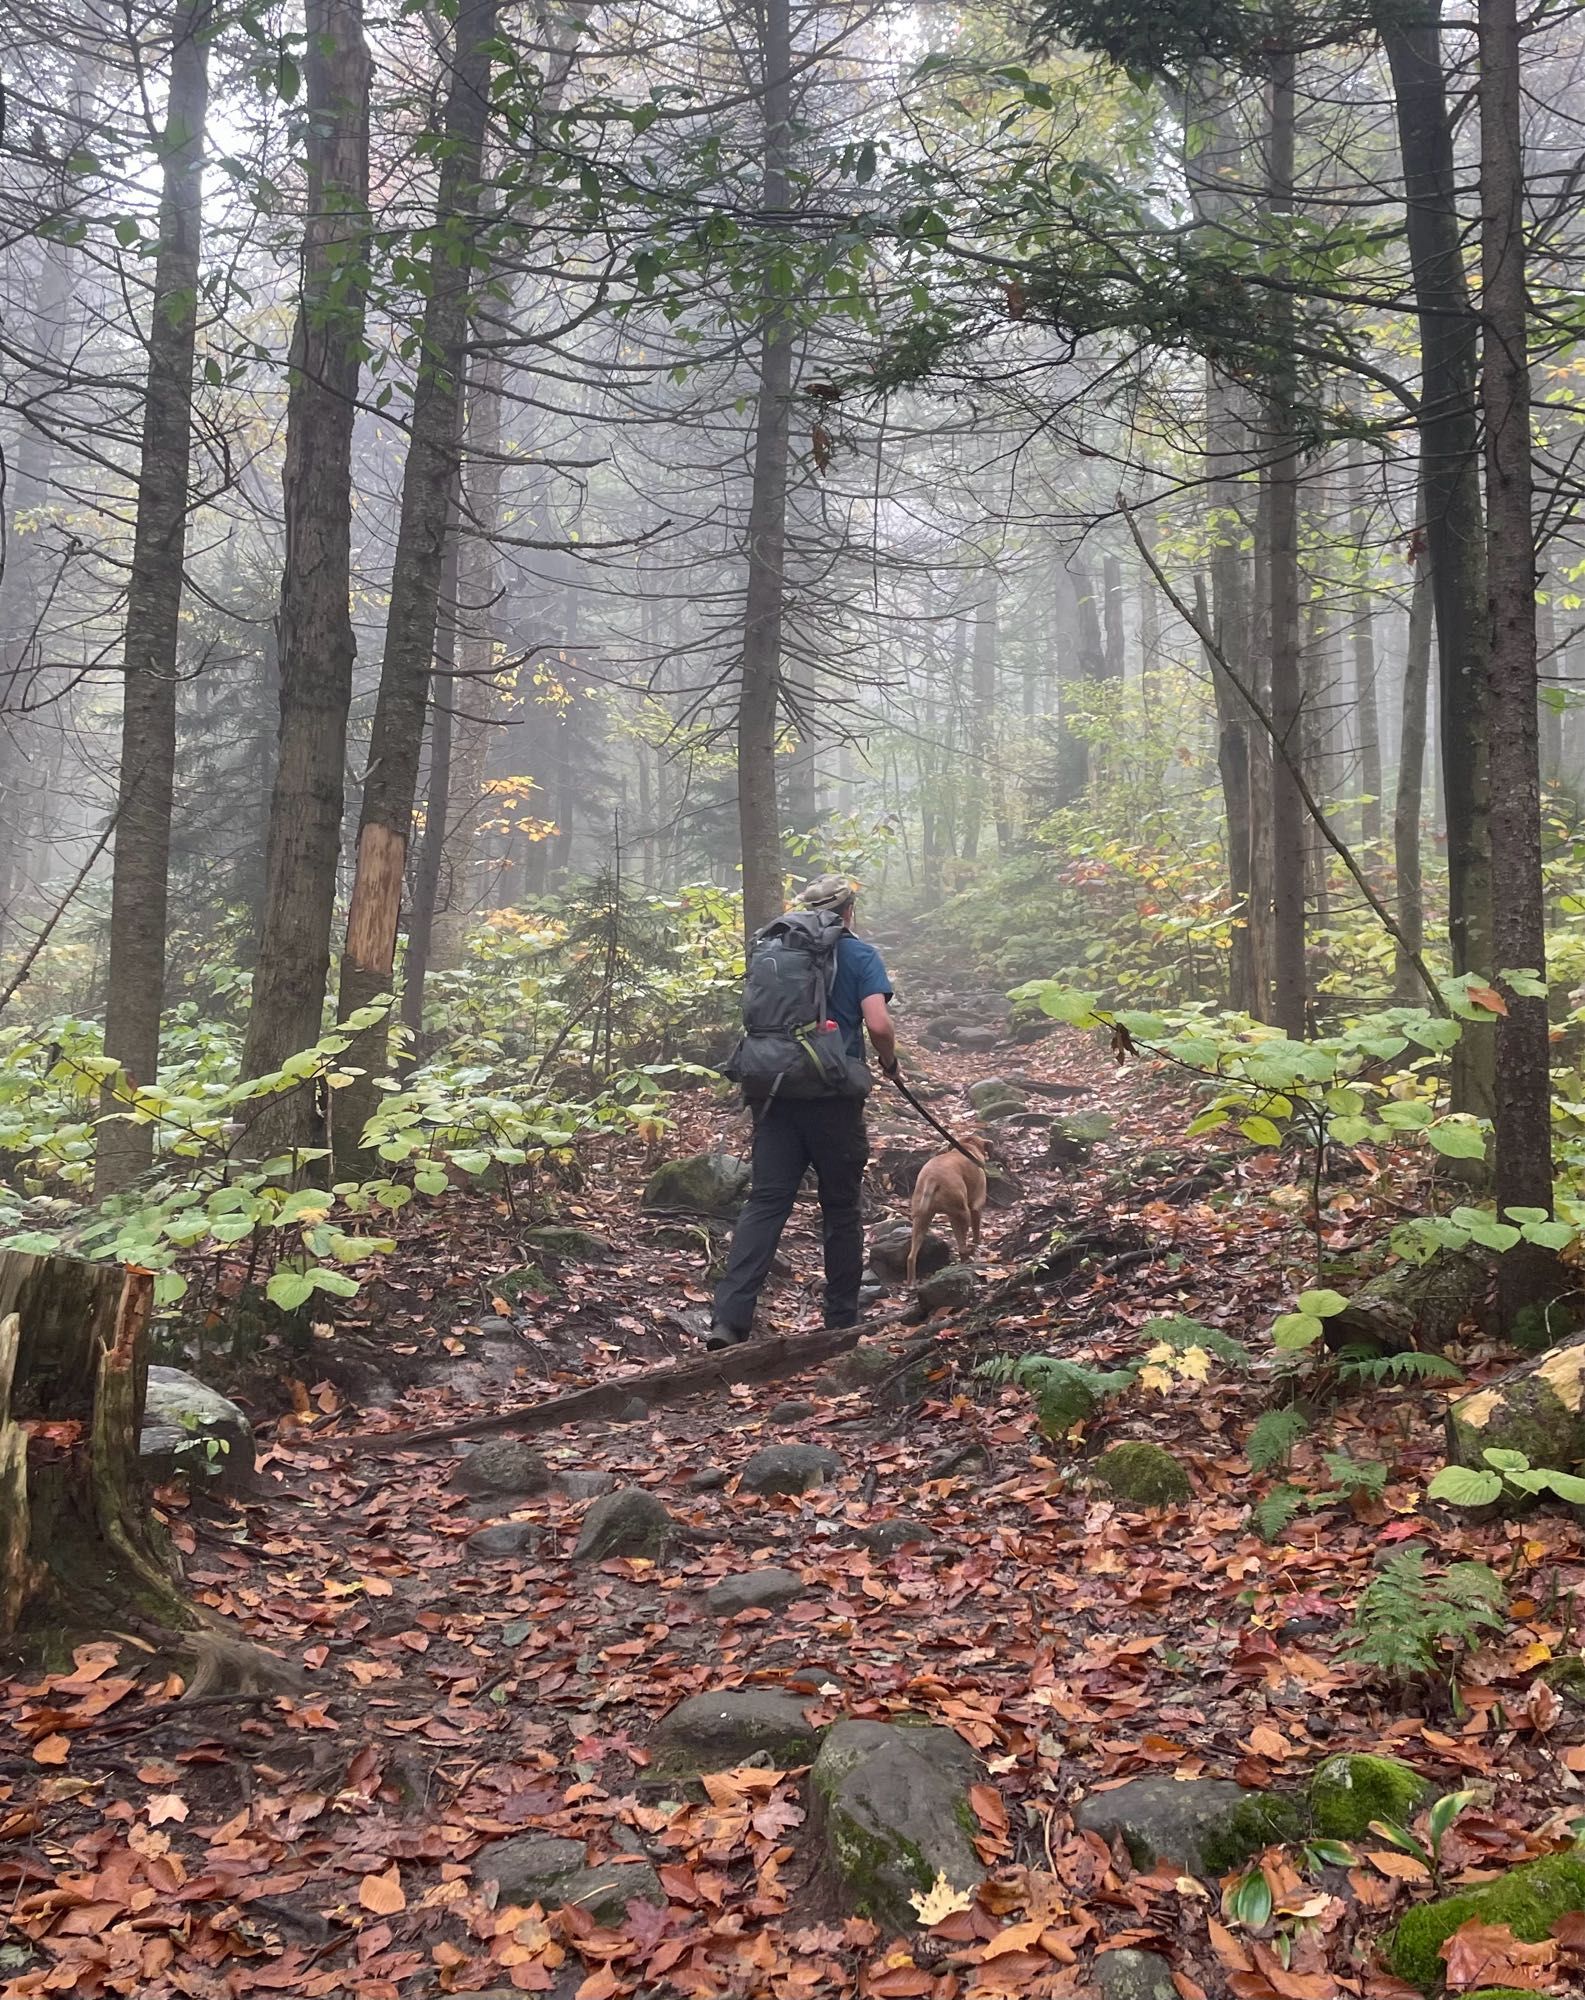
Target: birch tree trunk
(141, 876)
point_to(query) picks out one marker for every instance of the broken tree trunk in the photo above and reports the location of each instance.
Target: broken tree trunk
(79, 1549)
(1414, 1305)
(1537, 1408)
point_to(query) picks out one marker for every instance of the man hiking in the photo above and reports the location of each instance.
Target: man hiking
(811, 991)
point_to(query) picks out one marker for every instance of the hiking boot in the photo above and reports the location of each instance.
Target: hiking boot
(720, 1337)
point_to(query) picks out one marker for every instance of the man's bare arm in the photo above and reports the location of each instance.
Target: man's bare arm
(883, 1036)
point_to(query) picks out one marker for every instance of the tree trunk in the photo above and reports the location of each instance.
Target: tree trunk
(1367, 719)
(983, 780)
(1408, 804)
(1527, 1275)
(154, 601)
(78, 1549)
(437, 800)
(390, 784)
(1450, 468)
(1290, 984)
(759, 698)
(316, 639)
(1116, 645)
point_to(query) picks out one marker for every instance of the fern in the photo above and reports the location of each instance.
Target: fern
(1405, 1617)
(1275, 1510)
(1272, 1440)
(1358, 1475)
(1183, 1333)
(1064, 1392)
(1413, 1365)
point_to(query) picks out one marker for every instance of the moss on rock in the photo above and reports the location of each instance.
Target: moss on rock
(1348, 1792)
(1144, 1473)
(1265, 1819)
(1528, 1900)
(1537, 1408)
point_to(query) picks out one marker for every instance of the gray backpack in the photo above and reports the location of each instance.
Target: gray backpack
(790, 1046)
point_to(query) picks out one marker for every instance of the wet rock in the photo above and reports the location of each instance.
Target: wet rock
(1133, 1975)
(858, 1368)
(502, 1466)
(629, 1522)
(790, 1468)
(978, 1038)
(792, 1411)
(1072, 1139)
(992, 1098)
(634, 1411)
(702, 1184)
(193, 1432)
(1045, 1086)
(961, 1458)
(508, 1538)
(892, 1807)
(528, 1870)
(889, 1252)
(710, 1480)
(947, 1290)
(584, 1485)
(716, 1732)
(493, 1327)
(1207, 1825)
(1537, 1408)
(900, 1531)
(759, 1590)
(572, 1245)
(1026, 1033)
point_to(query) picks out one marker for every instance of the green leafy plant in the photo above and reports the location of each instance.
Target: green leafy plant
(1439, 1819)
(1305, 1325)
(1273, 1437)
(1183, 1334)
(1365, 1478)
(1407, 1618)
(1358, 1364)
(1510, 1471)
(1249, 1900)
(1274, 1511)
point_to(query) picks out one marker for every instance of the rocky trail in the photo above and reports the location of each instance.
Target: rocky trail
(869, 1676)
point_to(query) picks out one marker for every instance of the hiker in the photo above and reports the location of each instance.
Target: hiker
(812, 989)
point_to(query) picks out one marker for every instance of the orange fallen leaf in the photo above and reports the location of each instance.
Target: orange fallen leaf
(1401, 1867)
(1480, 1954)
(51, 1750)
(1487, 997)
(382, 1895)
(167, 1806)
(1265, 1741)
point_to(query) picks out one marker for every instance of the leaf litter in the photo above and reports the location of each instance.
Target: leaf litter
(330, 1841)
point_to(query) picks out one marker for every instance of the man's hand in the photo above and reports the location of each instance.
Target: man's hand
(883, 1037)
(889, 1066)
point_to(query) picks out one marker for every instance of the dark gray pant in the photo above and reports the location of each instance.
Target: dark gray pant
(826, 1133)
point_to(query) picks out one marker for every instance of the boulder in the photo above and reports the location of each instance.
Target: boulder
(1073, 1138)
(716, 1732)
(502, 1466)
(891, 1804)
(1537, 1408)
(584, 1485)
(992, 1099)
(978, 1038)
(759, 1590)
(885, 1538)
(1133, 1975)
(1045, 1086)
(1414, 1305)
(792, 1411)
(1143, 1473)
(947, 1290)
(572, 1245)
(859, 1367)
(193, 1432)
(701, 1184)
(1026, 1033)
(789, 1468)
(554, 1874)
(1348, 1791)
(629, 1522)
(1527, 1900)
(1206, 1825)
(506, 1538)
(889, 1251)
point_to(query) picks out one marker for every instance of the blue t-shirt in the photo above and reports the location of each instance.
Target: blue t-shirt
(860, 973)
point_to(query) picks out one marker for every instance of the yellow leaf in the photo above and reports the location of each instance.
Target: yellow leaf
(940, 1901)
(1156, 1378)
(1195, 1363)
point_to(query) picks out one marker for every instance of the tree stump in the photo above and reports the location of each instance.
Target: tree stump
(79, 1549)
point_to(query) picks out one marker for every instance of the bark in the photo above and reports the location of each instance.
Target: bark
(1523, 1113)
(1116, 647)
(141, 875)
(437, 801)
(1290, 985)
(759, 698)
(390, 784)
(1409, 802)
(1367, 719)
(78, 1547)
(316, 638)
(1450, 461)
(983, 781)
(1549, 717)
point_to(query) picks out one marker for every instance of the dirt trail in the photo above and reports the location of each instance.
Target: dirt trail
(465, 1693)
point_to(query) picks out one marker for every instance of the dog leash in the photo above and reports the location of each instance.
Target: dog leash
(930, 1119)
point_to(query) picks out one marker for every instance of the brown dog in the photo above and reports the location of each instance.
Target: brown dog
(952, 1186)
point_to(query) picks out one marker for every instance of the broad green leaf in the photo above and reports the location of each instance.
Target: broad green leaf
(1457, 1139)
(1294, 1330)
(469, 1162)
(1567, 1486)
(1550, 1235)
(289, 1289)
(1250, 1900)
(341, 1284)
(1463, 1486)
(1208, 1121)
(1324, 1303)
(1260, 1131)
(1506, 1461)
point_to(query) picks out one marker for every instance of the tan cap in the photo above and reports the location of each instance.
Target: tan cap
(826, 892)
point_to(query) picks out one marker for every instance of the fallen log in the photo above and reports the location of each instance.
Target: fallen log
(754, 1361)
(1414, 1305)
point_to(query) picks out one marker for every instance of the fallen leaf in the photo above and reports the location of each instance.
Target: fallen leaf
(167, 1806)
(51, 1750)
(1480, 1954)
(382, 1895)
(939, 1901)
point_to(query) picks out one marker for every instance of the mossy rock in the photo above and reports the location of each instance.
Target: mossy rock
(1062, 1403)
(891, 1802)
(1145, 1474)
(560, 1239)
(1414, 1305)
(1537, 1408)
(703, 1184)
(1206, 1825)
(1566, 1676)
(1348, 1792)
(527, 1280)
(1527, 1900)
